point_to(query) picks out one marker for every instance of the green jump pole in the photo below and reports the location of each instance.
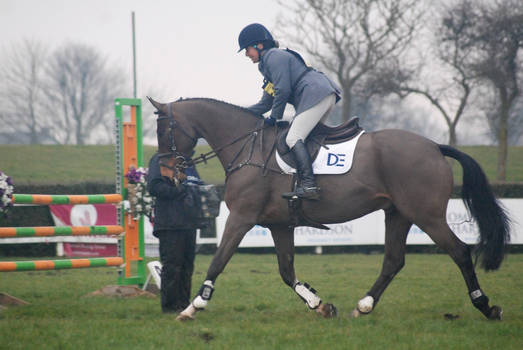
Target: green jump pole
(66, 199)
(42, 231)
(6, 266)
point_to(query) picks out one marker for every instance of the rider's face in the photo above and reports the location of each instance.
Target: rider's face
(253, 54)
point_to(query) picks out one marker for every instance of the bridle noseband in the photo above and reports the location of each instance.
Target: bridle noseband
(184, 161)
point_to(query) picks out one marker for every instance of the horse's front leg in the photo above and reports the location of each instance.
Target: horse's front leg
(284, 243)
(235, 230)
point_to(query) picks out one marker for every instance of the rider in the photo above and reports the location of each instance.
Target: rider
(287, 79)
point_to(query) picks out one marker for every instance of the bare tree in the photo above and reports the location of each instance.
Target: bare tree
(353, 38)
(495, 35)
(500, 65)
(443, 76)
(22, 76)
(396, 113)
(515, 132)
(81, 91)
(489, 105)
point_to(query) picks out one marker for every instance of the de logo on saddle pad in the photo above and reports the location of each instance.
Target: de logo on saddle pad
(331, 149)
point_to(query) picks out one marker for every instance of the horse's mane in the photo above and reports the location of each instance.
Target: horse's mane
(226, 104)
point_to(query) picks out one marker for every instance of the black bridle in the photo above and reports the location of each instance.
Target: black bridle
(186, 161)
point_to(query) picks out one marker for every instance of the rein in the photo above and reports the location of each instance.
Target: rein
(187, 161)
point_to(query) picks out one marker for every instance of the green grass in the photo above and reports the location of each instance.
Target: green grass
(253, 309)
(51, 164)
(487, 157)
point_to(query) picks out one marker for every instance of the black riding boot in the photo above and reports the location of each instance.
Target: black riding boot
(306, 188)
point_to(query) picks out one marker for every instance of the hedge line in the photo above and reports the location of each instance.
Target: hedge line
(501, 190)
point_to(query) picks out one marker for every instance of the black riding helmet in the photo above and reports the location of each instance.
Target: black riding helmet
(253, 34)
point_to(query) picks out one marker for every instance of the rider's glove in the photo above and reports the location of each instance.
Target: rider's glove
(269, 121)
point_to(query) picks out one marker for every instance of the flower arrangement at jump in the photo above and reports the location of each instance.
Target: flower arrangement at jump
(6, 193)
(140, 201)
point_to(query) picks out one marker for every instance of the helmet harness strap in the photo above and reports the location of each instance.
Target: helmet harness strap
(255, 46)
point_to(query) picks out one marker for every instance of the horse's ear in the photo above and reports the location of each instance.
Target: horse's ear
(159, 106)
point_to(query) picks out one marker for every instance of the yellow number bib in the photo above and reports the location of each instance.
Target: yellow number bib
(268, 87)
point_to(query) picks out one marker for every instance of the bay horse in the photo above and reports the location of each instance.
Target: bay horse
(404, 174)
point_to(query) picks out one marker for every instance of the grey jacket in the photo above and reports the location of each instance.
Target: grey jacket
(284, 70)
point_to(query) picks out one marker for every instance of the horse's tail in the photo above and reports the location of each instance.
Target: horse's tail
(492, 220)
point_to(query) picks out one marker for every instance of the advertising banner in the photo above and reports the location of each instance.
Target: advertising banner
(90, 249)
(367, 230)
(370, 229)
(86, 215)
(466, 229)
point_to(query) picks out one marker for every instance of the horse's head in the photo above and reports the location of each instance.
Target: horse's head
(175, 141)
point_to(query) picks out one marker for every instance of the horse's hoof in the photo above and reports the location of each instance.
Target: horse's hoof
(327, 310)
(355, 313)
(183, 318)
(496, 313)
(366, 305)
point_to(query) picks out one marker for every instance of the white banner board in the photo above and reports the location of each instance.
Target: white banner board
(370, 229)
(367, 230)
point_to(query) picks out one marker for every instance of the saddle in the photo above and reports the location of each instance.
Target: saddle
(320, 136)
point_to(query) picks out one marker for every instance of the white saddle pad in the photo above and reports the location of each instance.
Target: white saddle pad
(337, 159)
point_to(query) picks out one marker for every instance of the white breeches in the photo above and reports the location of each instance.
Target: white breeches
(304, 122)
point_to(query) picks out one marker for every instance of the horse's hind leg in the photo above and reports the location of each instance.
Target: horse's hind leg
(284, 243)
(443, 236)
(396, 230)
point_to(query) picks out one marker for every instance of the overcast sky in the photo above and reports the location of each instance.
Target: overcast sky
(184, 48)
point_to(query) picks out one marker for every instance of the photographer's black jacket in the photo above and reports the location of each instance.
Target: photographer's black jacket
(170, 205)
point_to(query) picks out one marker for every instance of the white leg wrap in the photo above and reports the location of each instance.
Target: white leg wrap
(199, 302)
(204, 295)
(366, 304)
(308, 295)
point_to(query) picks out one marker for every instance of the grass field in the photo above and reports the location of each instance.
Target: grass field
(253, 309)
(50, 164)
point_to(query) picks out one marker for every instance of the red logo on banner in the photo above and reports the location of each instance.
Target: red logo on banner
(86, 215)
